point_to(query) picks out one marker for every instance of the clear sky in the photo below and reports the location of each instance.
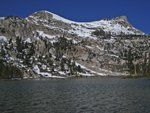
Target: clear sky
(137, 11)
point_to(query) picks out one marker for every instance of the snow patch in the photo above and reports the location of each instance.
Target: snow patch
(41, 33)
(2, 18)
(61, 73)
(28, 40)
(90, 47)
(86, 74)
(44, 74)
(91, 71)
(3, 39)
(56, 17)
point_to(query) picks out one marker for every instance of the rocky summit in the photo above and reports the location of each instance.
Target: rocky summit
(45, 45)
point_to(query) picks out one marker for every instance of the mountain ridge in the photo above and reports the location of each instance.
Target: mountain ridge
(117, 24)
(45, 45)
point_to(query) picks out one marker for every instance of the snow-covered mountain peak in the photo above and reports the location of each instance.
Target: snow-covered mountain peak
(115, 25)
(49, 15)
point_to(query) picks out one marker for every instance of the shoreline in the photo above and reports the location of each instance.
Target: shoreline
(79, 77)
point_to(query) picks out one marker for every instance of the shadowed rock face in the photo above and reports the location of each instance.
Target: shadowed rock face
(47, 45)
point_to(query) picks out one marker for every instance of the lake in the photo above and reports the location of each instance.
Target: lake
(83, 95)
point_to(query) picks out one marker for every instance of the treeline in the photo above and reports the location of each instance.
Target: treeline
(138, 64)
(9, 71)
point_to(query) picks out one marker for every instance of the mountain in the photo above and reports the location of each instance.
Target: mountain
(45, 45)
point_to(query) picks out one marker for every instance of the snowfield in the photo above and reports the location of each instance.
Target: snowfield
(84, 29)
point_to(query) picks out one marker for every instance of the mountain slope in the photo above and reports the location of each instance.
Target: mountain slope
(47, 45)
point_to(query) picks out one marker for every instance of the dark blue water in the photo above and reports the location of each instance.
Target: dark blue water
(84, 95)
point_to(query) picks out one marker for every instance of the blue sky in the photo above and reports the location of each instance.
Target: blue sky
(137, 11)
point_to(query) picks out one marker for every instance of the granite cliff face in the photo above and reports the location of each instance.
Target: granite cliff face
(47, 45)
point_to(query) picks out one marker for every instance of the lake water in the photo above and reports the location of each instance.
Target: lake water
(83, 95)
